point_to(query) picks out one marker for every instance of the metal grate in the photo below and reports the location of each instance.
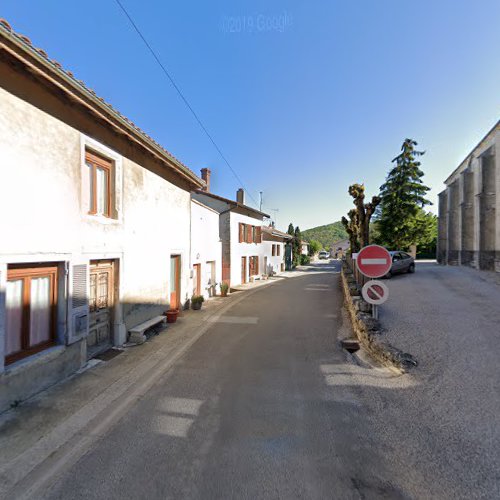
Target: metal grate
(80, 298)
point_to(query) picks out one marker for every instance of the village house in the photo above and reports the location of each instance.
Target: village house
(469, 209)
(240, 229)
(339, 248)
(274, 243)
(206, 246)
(95, 224)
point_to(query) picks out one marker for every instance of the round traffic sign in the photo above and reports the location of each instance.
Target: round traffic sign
(375, 292)
(374, 261)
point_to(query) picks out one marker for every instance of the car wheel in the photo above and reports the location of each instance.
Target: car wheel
(411, 269)
(388, 276)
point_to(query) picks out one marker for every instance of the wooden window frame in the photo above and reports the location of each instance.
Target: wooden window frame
(95, 161)
(258, 234)
(249, 233)
(26, 273)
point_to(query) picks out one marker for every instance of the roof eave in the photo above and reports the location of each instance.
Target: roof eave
(93, 102)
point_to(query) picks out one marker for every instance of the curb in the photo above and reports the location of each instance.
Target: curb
(368, 330)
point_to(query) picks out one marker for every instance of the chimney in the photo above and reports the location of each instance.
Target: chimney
(205, 175)
(240, 196)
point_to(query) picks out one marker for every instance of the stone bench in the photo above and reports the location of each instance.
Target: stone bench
(137, 333)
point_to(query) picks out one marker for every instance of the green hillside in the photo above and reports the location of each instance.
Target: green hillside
(326, 235)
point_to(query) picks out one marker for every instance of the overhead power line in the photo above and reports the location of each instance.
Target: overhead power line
(186, 102)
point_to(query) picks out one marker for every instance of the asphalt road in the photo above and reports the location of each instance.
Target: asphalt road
(267, 405)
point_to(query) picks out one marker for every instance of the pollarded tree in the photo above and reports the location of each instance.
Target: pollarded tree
(352, 228)
(364, 211)
(402, 194)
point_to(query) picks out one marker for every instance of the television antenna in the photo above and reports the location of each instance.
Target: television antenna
(275, 218)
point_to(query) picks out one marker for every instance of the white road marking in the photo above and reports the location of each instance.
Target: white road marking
(172, 426)
(181, 405)
(237, 320)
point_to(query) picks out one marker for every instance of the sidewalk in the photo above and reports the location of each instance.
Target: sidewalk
(98, 395)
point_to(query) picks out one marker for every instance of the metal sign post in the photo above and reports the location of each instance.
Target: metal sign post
(374, 261)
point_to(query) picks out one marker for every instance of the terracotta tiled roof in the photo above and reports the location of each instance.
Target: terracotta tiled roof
(7, 31)
(232, 202)
(276, 232)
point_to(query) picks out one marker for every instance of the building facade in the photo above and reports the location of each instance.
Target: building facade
(95, 223)
(274, 242)
(206, 250)
(469, 209)
(240, 230)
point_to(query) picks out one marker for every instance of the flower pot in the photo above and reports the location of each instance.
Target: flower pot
(196, 305)
(172, 315)
(223, 294)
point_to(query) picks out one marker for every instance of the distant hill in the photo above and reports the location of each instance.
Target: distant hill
(326, 235)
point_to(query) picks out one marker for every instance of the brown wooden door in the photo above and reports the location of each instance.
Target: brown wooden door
(100, 306)
(243, 269)
(175, 281)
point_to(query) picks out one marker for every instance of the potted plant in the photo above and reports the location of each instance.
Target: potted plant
(224, 287)
(197, 301)
(171, 315)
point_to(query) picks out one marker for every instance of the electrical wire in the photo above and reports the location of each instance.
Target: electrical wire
(186, 102)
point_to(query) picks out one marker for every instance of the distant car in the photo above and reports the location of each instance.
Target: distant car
(323, 255)
(402, 262)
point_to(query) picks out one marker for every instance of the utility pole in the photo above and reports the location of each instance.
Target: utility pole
(260, 208)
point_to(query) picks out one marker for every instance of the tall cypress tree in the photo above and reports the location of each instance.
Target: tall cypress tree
(297, 246)
(402, 195)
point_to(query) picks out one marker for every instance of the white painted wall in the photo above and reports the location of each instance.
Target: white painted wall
(44, 208)
(205, 244)
(274, 263)
(239, 250)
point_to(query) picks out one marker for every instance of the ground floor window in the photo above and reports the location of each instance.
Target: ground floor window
(31, 299)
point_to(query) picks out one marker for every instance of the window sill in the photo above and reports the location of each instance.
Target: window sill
(101, 219)
(38, 358)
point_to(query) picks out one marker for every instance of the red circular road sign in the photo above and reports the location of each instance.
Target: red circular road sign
(375, 292)
(374, 261)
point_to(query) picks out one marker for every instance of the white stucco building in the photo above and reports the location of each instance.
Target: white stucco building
(240, 229)
(206, 247)
(95, 221)
(274, 249)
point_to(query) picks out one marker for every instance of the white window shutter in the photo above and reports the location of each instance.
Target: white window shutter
(78, 300)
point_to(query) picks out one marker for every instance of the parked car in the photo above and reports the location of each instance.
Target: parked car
(402, 262)
(323, 255)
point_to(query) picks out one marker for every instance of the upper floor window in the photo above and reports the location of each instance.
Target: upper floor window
(249, 234)
(101, 180)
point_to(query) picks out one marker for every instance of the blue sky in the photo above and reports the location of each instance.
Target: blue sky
(303, 98)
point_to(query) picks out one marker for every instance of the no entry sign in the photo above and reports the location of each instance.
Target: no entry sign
(375, 292)
(374, 261)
